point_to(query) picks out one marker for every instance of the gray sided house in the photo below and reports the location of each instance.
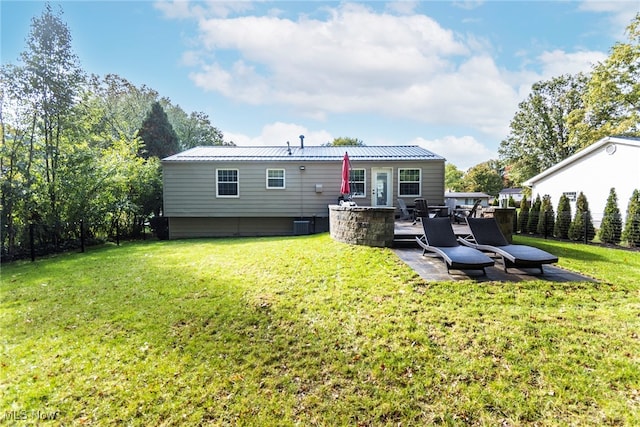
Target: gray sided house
(221, 191)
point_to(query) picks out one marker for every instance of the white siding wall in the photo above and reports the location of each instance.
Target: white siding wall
(595, 175)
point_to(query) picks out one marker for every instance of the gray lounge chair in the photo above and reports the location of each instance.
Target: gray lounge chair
(439, 239)
(488, 238)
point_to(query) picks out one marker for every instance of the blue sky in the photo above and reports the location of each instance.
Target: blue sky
(445, 75)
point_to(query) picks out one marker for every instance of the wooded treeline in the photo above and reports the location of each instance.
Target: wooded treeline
(80, 148)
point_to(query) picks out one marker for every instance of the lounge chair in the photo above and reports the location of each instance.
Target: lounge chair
(487, 237)
(439, 239)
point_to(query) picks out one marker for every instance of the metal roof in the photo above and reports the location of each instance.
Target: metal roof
(226, 153)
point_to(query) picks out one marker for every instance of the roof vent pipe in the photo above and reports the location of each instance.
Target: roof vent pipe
(288, 148)
(301, 141)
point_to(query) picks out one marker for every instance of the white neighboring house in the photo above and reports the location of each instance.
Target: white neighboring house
(612, 162)
(515, 193)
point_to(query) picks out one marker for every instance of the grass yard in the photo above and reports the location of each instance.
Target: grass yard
(309, 331)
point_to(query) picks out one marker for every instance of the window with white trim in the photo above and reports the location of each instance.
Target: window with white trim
(357, 180)
(275, 179)
(409, 182)
(227, 183)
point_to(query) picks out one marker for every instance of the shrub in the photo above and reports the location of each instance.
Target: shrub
(523, 216)
(534, 215)
(581, 227)
(546, 218)
(563, 219)
(631, 233)
(611, 227)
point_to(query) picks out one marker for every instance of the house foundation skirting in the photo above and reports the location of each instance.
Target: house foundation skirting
(362, 225)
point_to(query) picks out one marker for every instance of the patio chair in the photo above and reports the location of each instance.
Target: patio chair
(487, 237)
(404, 211)
(439, 239)
(421, 209)
(460, 215)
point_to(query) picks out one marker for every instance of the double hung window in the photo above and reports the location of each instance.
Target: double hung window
(275, 179)
(227, 183)
(357, 180)
(409, 181)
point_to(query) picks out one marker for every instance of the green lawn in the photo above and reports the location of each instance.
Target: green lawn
(309, 331)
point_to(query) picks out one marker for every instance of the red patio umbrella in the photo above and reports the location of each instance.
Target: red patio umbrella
(344, 188)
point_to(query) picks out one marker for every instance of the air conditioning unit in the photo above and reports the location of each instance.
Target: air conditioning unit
(301, 227)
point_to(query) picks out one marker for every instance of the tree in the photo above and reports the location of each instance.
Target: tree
(612, 94)
(534, 215)
(581, 227)
(523, 217)
(631, 233)
(484, 177)
(193, 129)
(545, 220)
(123, 106)
(563, 219)
(453, 177)
(539, 136)
(157, 134)
(345, 141)
(38, 138)
(611, 226)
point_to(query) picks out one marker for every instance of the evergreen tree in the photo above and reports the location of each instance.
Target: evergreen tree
(157, 134)
(534, 215)
(546, 219)
(581, 227)
(563, 219)
(523, 217)
(631, 232)
(611, 226)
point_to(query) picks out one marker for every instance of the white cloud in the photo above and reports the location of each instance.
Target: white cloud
(352, 59)
(402, 7)
(621, 12)
(464, 152)
(557, 62)
(358, 61)
(185, 9)
(279, 133)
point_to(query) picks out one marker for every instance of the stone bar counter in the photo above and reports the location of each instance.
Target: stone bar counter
(362, 225)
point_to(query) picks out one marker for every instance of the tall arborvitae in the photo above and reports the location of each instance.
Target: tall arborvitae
(631, 233)
(546, 219)
(581, 227)
(611, 226)
(534, 215)
(523, 216)
(563, 218)
(160, 140)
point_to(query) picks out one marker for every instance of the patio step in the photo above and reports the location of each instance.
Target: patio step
(405, 241)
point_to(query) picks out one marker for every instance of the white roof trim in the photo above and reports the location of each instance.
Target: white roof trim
(593, 147)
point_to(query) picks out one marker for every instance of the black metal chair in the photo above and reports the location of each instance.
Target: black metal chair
(461, 215)
(421, 209)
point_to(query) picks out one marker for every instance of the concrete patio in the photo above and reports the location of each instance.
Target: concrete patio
(433, 269)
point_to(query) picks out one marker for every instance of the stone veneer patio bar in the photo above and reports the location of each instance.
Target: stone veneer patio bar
(362, 225)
